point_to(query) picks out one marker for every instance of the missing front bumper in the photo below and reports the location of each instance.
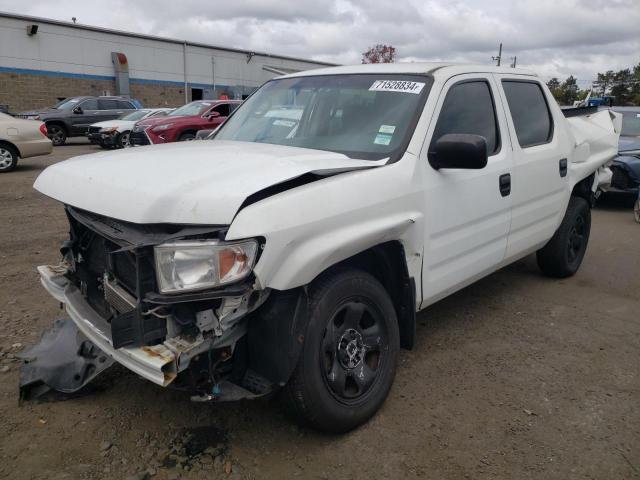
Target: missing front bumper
(156, 363)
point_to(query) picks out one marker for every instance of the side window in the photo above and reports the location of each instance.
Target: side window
(91, 104)
(530, 112)
(233, 106)
(108, 104)
(222, 109)
(122, 105)
(469, 108)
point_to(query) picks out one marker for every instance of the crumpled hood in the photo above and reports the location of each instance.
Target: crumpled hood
(203, 182)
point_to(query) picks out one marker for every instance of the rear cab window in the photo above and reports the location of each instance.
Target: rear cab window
(469, 108)
(530, 112)
(109, 104)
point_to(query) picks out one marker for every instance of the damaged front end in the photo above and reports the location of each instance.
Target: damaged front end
(196, 340)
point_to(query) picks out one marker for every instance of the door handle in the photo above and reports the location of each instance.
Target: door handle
(505, 184)
(563, 167)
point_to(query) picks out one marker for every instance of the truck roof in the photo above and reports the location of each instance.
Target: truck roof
(432, 68)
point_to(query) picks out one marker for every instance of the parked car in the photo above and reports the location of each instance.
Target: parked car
(183, 123)
(626, 166)
(72, 117)
(115, 133)
(21, 139)
(293, 249)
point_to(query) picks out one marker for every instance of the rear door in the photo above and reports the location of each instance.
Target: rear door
(111, 109)
(467, 211)
(540, 177)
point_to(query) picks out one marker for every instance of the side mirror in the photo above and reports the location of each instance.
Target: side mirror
(458, 150)
(213, 115)
(78, 109)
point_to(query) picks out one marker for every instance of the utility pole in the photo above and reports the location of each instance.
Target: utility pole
(499, 57)
(513, 65)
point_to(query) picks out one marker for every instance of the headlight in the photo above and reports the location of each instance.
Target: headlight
(198, 265)
(160, 128)
(109, 130)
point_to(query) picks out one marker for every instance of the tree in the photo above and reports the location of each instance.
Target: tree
(379, 54)
(554, 86)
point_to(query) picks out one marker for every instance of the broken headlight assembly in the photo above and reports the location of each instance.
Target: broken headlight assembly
(185, 266)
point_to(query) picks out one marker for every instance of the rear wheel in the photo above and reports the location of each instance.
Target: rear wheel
(636, 210)
(57, 134)
(187, 137)
(8, 158)
(562, 255)
(350, 351)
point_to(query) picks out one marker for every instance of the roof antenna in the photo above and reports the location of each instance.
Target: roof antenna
(73, 19)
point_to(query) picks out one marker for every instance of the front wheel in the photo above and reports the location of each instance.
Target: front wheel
(187, 137)
(562, 255)
(57, 134)
(123, 140)
(350, 352)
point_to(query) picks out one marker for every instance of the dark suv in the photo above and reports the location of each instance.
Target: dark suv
(71, 117)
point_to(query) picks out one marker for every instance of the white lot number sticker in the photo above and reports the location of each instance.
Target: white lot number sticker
(401, 86)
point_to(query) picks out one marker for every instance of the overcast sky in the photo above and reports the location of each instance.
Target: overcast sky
(552, 37)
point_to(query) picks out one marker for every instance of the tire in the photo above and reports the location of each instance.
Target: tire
(350, 352)
(57, 134)
(187, 137)
(636, 210)
(562, 255)
(8, 158)
(123, 139)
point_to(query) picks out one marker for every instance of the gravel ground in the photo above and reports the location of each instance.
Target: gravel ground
(517, 376)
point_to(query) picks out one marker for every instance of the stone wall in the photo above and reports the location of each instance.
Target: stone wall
(26, 92)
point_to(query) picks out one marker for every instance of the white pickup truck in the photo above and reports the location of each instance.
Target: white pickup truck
(293, 249)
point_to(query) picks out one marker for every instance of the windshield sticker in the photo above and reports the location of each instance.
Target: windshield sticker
(387, 129)
(382, 139)
(401, 86)
(284, 123)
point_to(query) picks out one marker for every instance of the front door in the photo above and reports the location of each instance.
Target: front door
(468, 212)
(84, 114)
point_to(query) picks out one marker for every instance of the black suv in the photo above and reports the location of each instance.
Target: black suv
(71, 117)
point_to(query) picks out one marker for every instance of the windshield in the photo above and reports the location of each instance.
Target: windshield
(362, 116)
(67, 103)
(631, 124)
(193, 108)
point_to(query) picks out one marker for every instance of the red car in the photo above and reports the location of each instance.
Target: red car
(183, 123)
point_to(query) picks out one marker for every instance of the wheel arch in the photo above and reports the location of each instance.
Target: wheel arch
(584, 189)
(12, 145)
(60, 123)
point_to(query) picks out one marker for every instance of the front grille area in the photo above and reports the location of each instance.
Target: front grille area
(138, 137)
(93, 130)
(112, 276)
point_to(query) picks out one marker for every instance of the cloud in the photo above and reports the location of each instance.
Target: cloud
(551, 37)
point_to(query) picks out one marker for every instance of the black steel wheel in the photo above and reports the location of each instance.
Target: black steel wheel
(123, 139)
(562, 255)
(349, 355)
(57, 134)
(354, 348)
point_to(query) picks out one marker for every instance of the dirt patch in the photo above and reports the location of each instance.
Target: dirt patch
(517, 376)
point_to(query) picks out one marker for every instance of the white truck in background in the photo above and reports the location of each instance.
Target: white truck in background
(293, 249)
